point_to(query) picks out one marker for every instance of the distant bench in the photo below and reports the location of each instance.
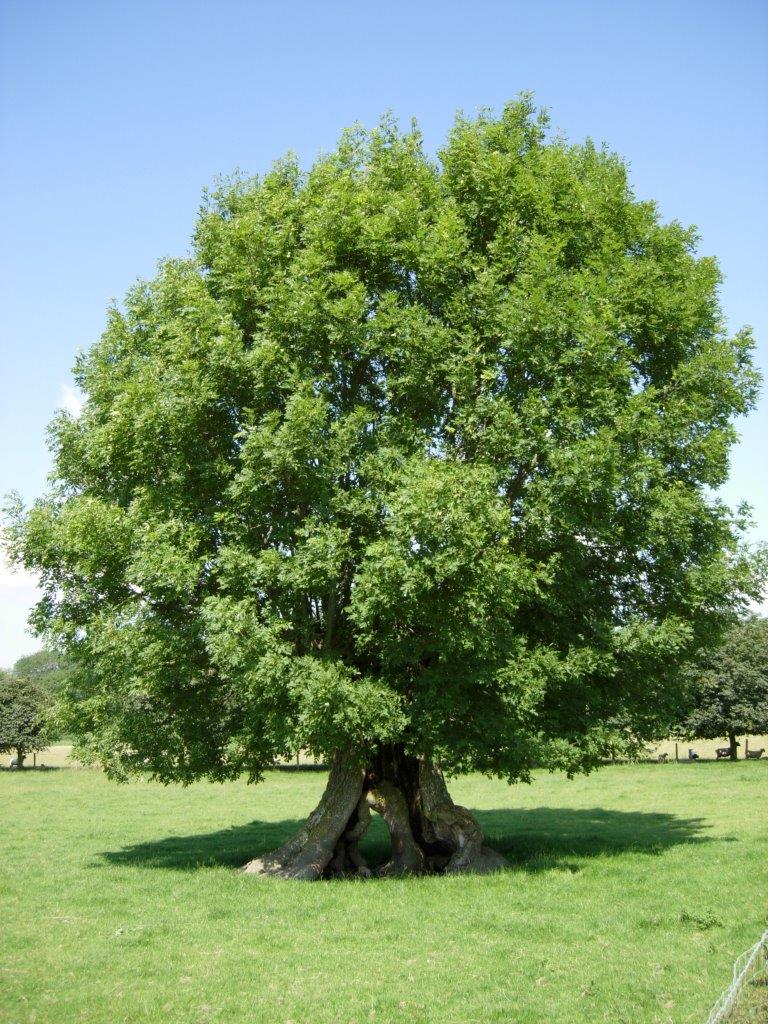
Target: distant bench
(755, 755)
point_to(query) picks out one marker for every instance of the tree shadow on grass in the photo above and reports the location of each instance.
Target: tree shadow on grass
(541, 838)
(533, 839)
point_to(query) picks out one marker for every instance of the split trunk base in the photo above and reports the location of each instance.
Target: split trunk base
(428, 832)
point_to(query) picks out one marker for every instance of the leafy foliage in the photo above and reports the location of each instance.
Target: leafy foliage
(48, 669)
(728, 692)
(408, 450)
(23, 719)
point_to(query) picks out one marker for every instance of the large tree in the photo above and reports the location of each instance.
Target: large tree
(728, 686)
(411, 464)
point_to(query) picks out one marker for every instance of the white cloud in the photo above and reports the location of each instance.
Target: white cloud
(18, 593)
(71, 400)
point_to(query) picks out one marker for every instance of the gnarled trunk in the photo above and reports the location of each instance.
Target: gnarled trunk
(428, 832)
(446, 824)
(308, 853)
(407, 856)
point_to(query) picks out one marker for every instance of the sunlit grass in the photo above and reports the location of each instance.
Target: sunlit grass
(632, 892)
(752, 1007)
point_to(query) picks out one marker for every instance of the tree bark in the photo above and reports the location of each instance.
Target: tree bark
(454, 828)
(312, 848)
(407, 856)
(734, 755)
(429, 833)
(20, 757)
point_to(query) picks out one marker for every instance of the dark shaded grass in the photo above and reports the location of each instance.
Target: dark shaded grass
(536, 839)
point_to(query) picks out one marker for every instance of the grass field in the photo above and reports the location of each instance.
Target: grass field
(752, 1007)
(632, 892)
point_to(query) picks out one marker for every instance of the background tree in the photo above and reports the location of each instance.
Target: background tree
(48, 669)
(23, 717)
(728, 686)
(411, 464)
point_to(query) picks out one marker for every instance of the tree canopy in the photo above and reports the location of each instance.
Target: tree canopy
(410, 453)
(50, 670)
(728, 686)
(23, 717)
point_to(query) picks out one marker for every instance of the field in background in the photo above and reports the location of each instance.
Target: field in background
(57, 756)
(706, 748)
(632, 892)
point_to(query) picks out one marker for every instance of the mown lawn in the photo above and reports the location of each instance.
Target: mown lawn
(632, 892)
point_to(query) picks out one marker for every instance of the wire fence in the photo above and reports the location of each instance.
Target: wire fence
(750, 967)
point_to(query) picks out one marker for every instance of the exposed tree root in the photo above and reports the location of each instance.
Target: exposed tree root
(347, 859)
(407, 857)
(307, 854)
(429, 833)
(446, 824)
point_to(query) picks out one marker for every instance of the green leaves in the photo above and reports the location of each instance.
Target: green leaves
(23, 715)
(443, 580)
(408, 450)
(728, 685)
(340, 710)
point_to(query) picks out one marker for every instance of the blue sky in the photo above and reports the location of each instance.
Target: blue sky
(113, 117)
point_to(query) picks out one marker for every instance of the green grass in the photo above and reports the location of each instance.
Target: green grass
(752, 1007)
(632, 893)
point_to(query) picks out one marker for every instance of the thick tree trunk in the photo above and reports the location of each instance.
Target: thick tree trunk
(428, 832)
(407, 856)
(20, 757)
(312, 848)
(733, 743)
(446, 824)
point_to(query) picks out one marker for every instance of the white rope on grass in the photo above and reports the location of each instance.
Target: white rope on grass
(748, 963)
